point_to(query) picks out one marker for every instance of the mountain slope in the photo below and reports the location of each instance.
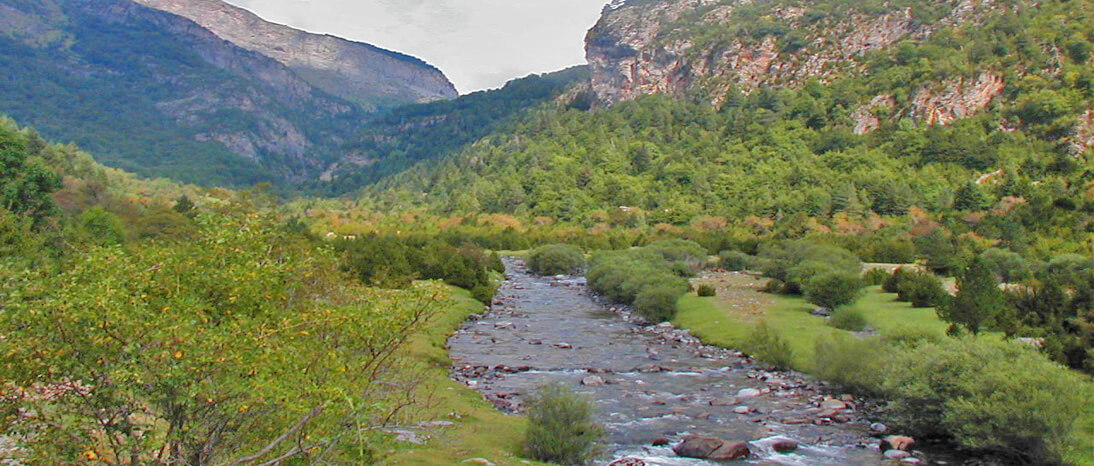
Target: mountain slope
(360, 73)
(407, 135)
(157, 94)
(989, 107)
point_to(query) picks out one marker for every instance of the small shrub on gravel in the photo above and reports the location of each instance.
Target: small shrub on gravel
(561, 428)
(556, 259)
(707, 291)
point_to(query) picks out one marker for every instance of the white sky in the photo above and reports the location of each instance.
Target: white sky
(479, 44)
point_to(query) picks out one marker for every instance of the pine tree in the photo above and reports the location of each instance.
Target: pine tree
(978, 299)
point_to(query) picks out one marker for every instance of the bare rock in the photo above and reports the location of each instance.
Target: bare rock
(710, 448)
(896, 442)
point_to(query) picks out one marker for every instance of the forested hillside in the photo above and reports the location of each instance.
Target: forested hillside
(158, 95)
(397, 140)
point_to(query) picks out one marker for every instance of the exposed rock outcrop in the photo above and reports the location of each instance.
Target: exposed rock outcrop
(665, 47)
(355, 71)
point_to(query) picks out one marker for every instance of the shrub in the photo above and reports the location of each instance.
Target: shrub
(484, 293)
(852, 362)
(922, 289)
(892, 283)
(875, 277)
(771, 347)
(561, 428)
(847, 319)
(657, 303)
(833, 289)
(706, 291)
(734, 260)
(912, 335)
(774, 286)
(988, 395)
(556, 259)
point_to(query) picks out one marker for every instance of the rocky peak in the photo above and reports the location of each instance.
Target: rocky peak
(358, 72)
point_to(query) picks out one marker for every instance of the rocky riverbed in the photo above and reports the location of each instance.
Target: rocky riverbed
(654, 386)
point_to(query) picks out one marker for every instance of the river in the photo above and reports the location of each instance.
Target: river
(651, 384)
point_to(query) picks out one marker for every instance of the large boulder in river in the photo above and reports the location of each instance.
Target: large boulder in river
(709, 448)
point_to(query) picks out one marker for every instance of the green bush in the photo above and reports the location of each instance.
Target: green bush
(774, 286)
(556, 259)
(922, 289)
(847, 319)
(561, 428)
(484, 293)
(988, 395)
(855, 363)
(875, 277)
(771, 347)
(706, 291)
(833, 289)
(657, 303)
(734, 260)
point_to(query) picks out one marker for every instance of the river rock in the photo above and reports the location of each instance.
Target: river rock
(592, 381)
(742, 410)
(661, 442)
(833, 404)
(709, 448)
(896, 454)
(748, 393)
(879, 428)
(628, 462)
(563, 346)
(896, 442)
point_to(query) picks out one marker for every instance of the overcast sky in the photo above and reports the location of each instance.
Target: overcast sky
(479, 44)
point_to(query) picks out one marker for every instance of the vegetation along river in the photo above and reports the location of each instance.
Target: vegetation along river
(652, 384)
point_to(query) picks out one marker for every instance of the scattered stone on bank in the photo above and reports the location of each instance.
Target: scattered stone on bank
(822, 312)
(592, 381)
(482, 461)
(879, 428)
(748, 393)
(896, 454)
(710, 448)
(896, 442)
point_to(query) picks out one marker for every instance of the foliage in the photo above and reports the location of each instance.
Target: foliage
(394, 262)
(855, 363)
(706, 291)
(657, 303)
(875, 276)
(798, 262)
(25, 181)
(921, 288)
(1060, 313)
(620, 276)
(561, 428)
(556, 259)
(734, 260)
(770, 347)
(987, 395)
(848, 319)
(978, 300)
(204, 351)
(833, 289)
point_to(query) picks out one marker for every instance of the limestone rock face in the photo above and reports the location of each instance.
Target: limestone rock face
(358, 72)
(644, 47)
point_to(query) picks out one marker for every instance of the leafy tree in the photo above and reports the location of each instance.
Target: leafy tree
(978, 300)
(25, 182)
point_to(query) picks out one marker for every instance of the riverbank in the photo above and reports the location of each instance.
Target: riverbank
(461, 426)
(727, 319)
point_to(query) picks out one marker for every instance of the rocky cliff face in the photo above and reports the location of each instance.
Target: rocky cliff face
(711, 47)
(357, 72)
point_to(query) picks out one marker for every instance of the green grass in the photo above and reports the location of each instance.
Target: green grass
(480, 431)
(718, 324)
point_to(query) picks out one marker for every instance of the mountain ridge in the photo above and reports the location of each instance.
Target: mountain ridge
(359, 72)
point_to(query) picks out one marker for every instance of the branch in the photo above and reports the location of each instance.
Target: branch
(268, 448)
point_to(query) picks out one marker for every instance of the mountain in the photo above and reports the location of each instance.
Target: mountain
(393, 141)
(361, 73)
(157, 94)
(802, 115)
